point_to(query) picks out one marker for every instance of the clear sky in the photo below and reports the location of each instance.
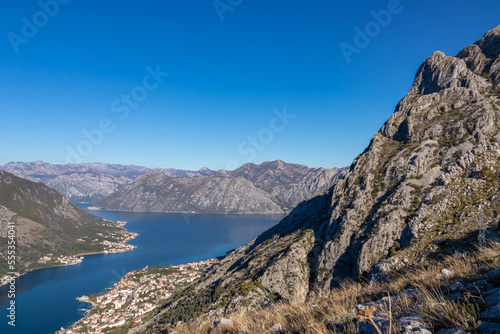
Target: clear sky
(86, 80)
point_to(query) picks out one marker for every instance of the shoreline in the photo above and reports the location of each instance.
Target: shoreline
(163, 281)
(284, 213)
(132, 235)
(66, 265)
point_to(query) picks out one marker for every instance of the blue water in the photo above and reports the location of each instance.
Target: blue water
(45, 299)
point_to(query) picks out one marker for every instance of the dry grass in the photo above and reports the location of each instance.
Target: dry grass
(445, 313)
(320, 313)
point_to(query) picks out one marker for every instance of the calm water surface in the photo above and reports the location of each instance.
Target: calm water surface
(45, 298)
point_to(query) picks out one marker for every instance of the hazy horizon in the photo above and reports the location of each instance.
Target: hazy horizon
(166, 167)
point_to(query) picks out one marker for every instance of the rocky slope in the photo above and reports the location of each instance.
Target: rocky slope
(289, 184)
(416, 191)
(271, 187)
(458, 294)
(217, 193)
(88, 182)
(45, 222)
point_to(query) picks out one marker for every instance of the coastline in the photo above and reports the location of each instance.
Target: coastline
(6, 279)
(195, 213)
(136, 296)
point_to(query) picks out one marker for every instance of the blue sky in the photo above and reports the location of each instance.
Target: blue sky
(247, 80)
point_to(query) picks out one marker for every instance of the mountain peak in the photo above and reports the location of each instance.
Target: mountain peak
(440, 72)
(278, 163)
(490, 43)
(417, 186)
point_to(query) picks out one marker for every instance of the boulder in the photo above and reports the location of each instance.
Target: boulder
(481, 284)
(224, 323)
(366, 327)
(492, 297)
(489, 328)
(456, 287)
(493, 313)
(494, 275)
(452, 331)
(445, 275)
(414, 325)
(276, 328)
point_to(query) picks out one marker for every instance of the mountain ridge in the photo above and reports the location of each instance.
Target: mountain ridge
(272, 187)
(415, 192)
(88, 182)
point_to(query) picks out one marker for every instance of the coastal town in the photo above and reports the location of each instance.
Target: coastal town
(131, 300)
(113, 242)
(60, 260)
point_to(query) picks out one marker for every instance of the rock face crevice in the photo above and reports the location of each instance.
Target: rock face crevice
(416, 190)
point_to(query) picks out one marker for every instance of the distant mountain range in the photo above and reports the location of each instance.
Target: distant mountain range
(271, 187)
(88, 182)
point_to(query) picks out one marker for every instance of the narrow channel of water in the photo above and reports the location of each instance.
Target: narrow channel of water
(45, 298)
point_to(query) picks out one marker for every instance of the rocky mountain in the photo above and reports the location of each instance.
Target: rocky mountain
(271, 187)
(88, 182)
(47, 223)
(289, 184)
(418, 190)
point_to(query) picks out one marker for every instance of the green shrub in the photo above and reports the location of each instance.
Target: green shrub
(395, 247)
